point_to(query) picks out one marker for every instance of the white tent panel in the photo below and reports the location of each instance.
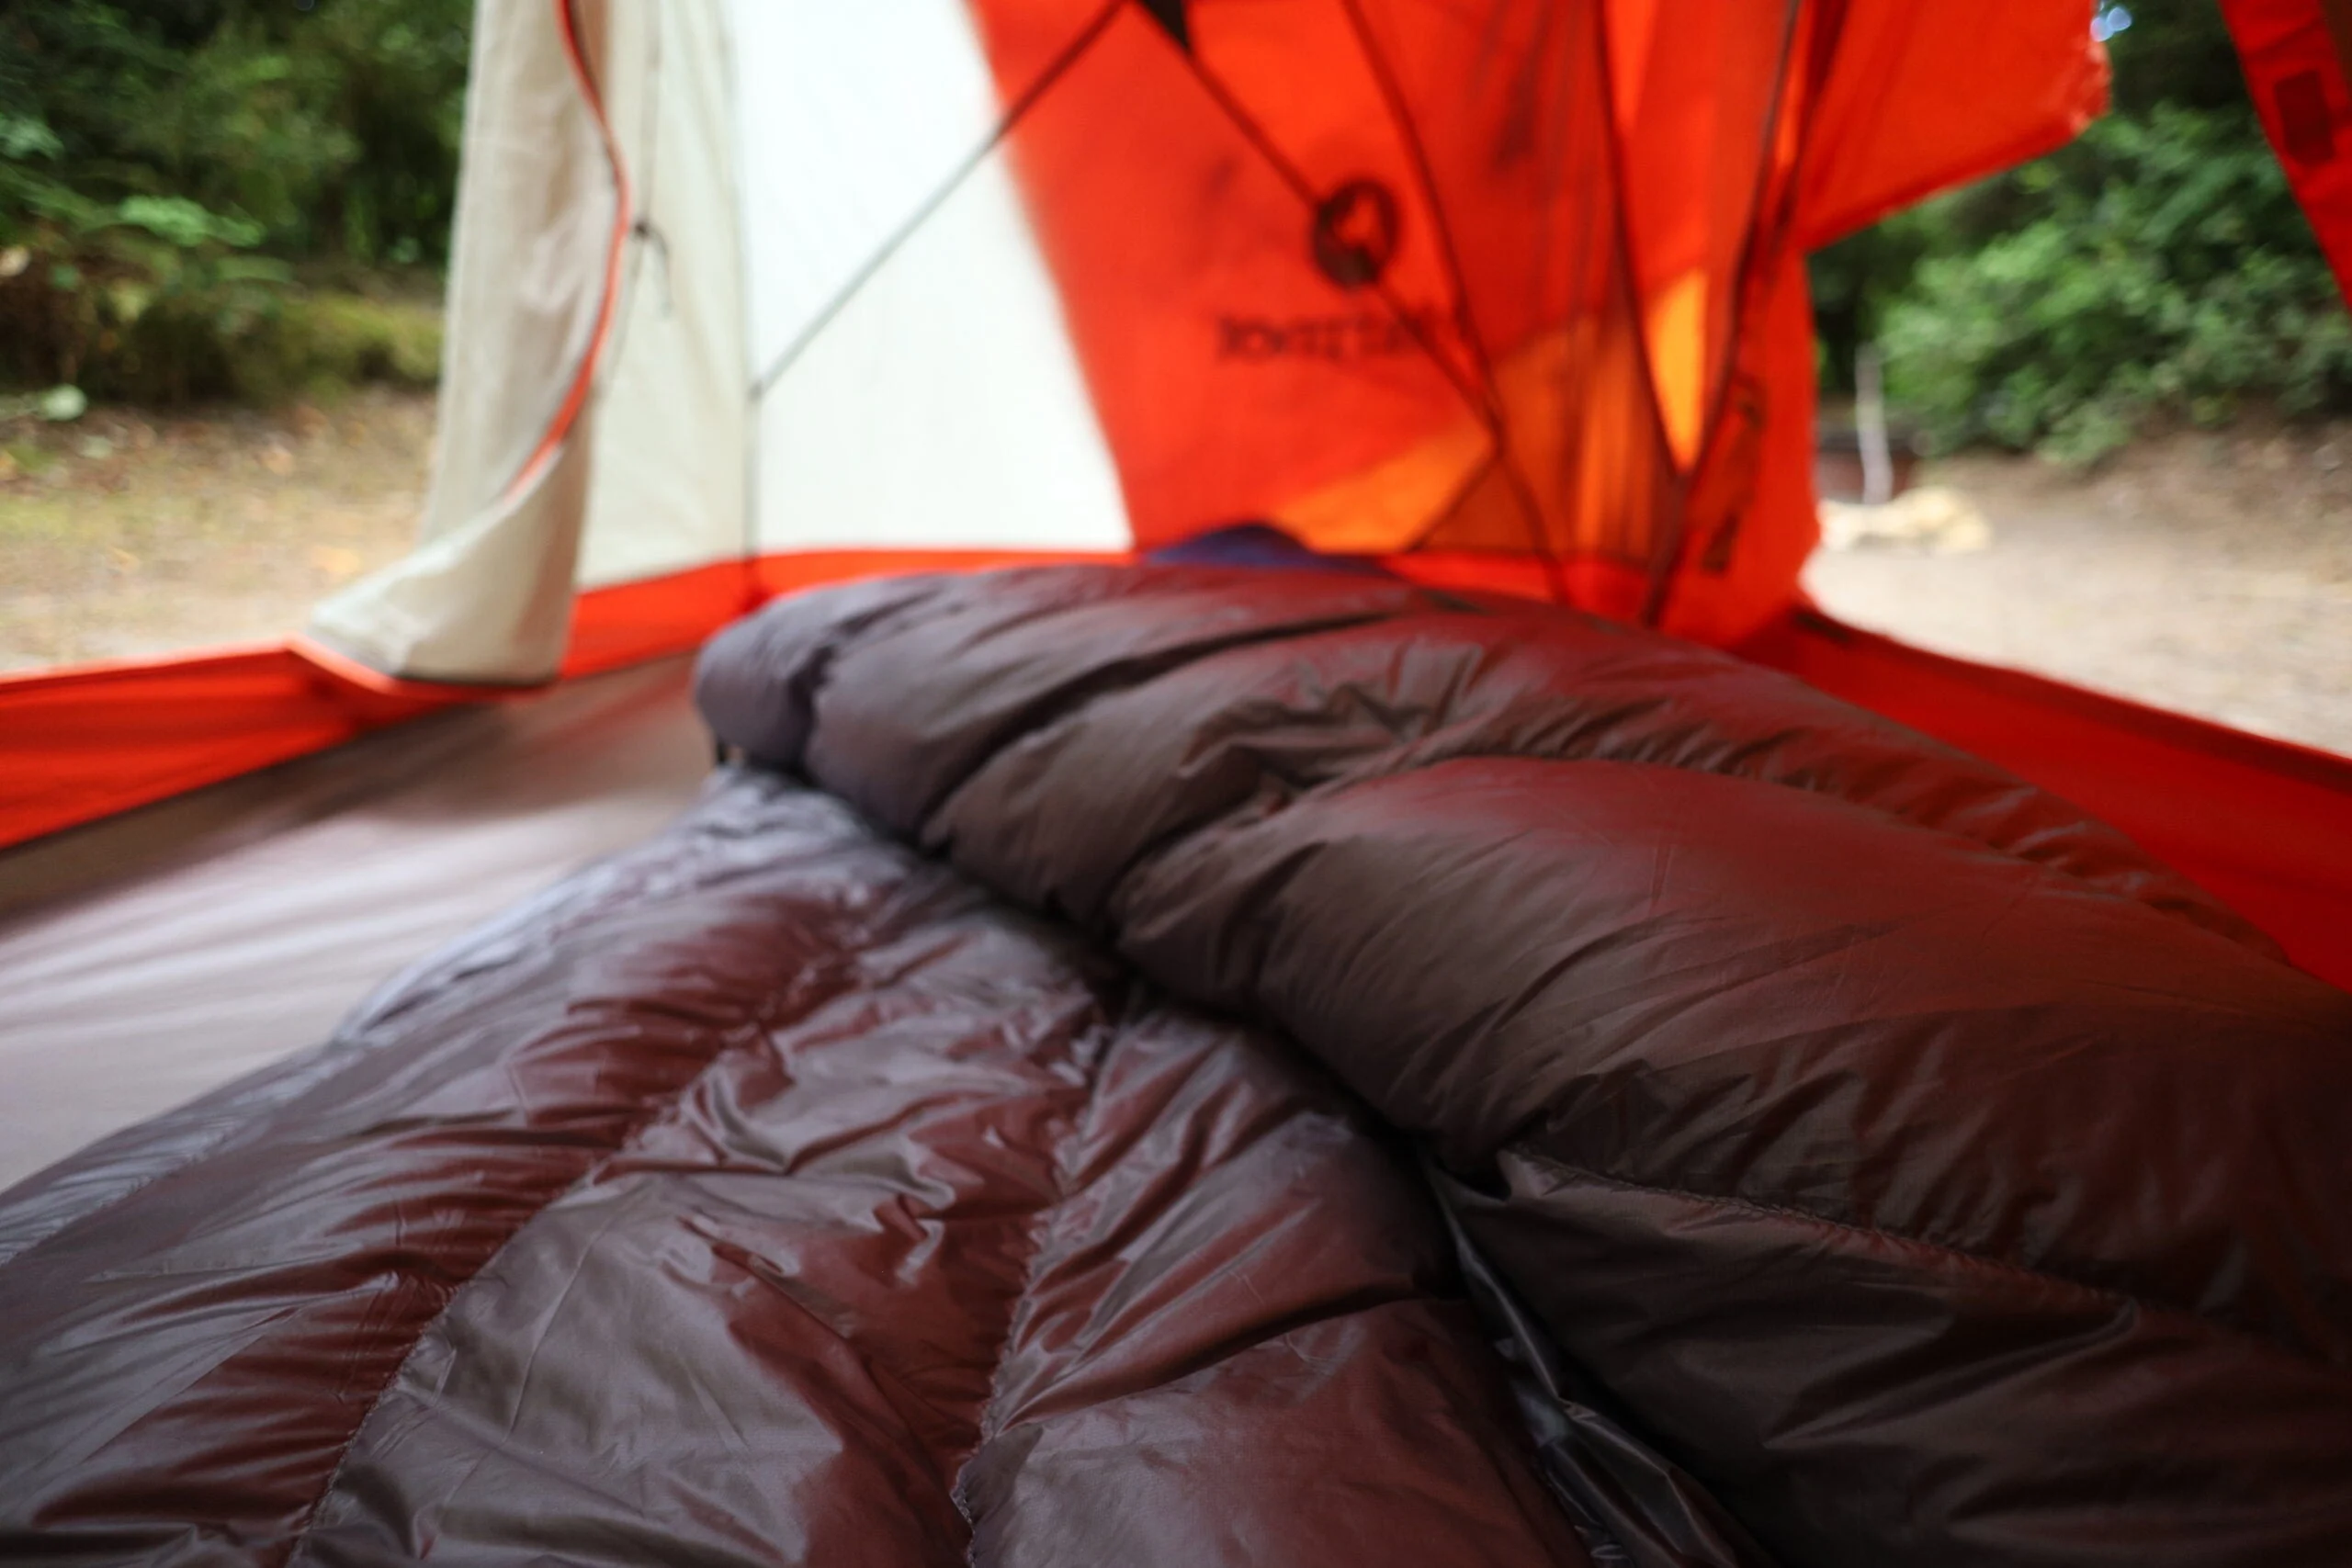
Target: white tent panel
(852, 117)
(940, 405)
(487, 595)
(916, 384)
(666, 487)
(833, 328)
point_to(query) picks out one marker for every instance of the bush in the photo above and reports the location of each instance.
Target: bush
(2158, 269)
(168, 167)
(213, 334)
(330, 127)
(324, 340)
(2169, 274)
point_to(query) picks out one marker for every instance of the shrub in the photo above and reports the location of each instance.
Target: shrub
(215, 332)
(2156, 269)
(2167, 273)
(316, 341)
(165, 169)
(333, 127)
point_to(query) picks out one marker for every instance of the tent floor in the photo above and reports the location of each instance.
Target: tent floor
(148, 958)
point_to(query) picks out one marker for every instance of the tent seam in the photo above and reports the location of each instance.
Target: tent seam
(2163, 1311)
(1341, 784)
(753, 1026)
(1171, 838)
(1066, 703)
(1076, 51)
(1499, 456)
(564, 908)
(1037, 1233)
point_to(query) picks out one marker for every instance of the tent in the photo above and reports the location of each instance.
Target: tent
(1187, 1062)
(1169, 1061)
(748, 296)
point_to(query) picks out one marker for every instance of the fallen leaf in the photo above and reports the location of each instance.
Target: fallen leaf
(278, 458)
(336, 561)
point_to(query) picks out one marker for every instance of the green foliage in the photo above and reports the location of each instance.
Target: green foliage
(328, 340)
(231, 327)
(2168, 274)
(169, 167)
(332, 126)
(2156, 269)
(24, 136)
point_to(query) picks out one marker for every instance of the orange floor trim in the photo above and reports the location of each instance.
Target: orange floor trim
(82, 743)
(2263, 824)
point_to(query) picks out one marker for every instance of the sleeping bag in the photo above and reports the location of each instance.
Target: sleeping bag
(1179, 1065)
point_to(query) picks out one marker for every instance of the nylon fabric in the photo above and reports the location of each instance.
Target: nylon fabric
(148, 960)
(766, 1194)
(542, 221)
(1472, 282)
(80, 745)
(2298, 60)
(83, 745)
(2264, 825)
(1470, 1082)
(1925, 1171)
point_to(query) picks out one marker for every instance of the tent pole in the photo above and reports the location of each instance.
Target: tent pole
(1869, 427)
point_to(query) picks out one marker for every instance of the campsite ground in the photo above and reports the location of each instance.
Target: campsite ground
(130, 533)
(2207, 572)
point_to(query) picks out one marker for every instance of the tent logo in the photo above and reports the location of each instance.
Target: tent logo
(1364, 335)
(1355, 232)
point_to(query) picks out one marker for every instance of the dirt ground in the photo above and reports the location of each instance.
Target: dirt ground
(128, 532)
(2206, 573)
